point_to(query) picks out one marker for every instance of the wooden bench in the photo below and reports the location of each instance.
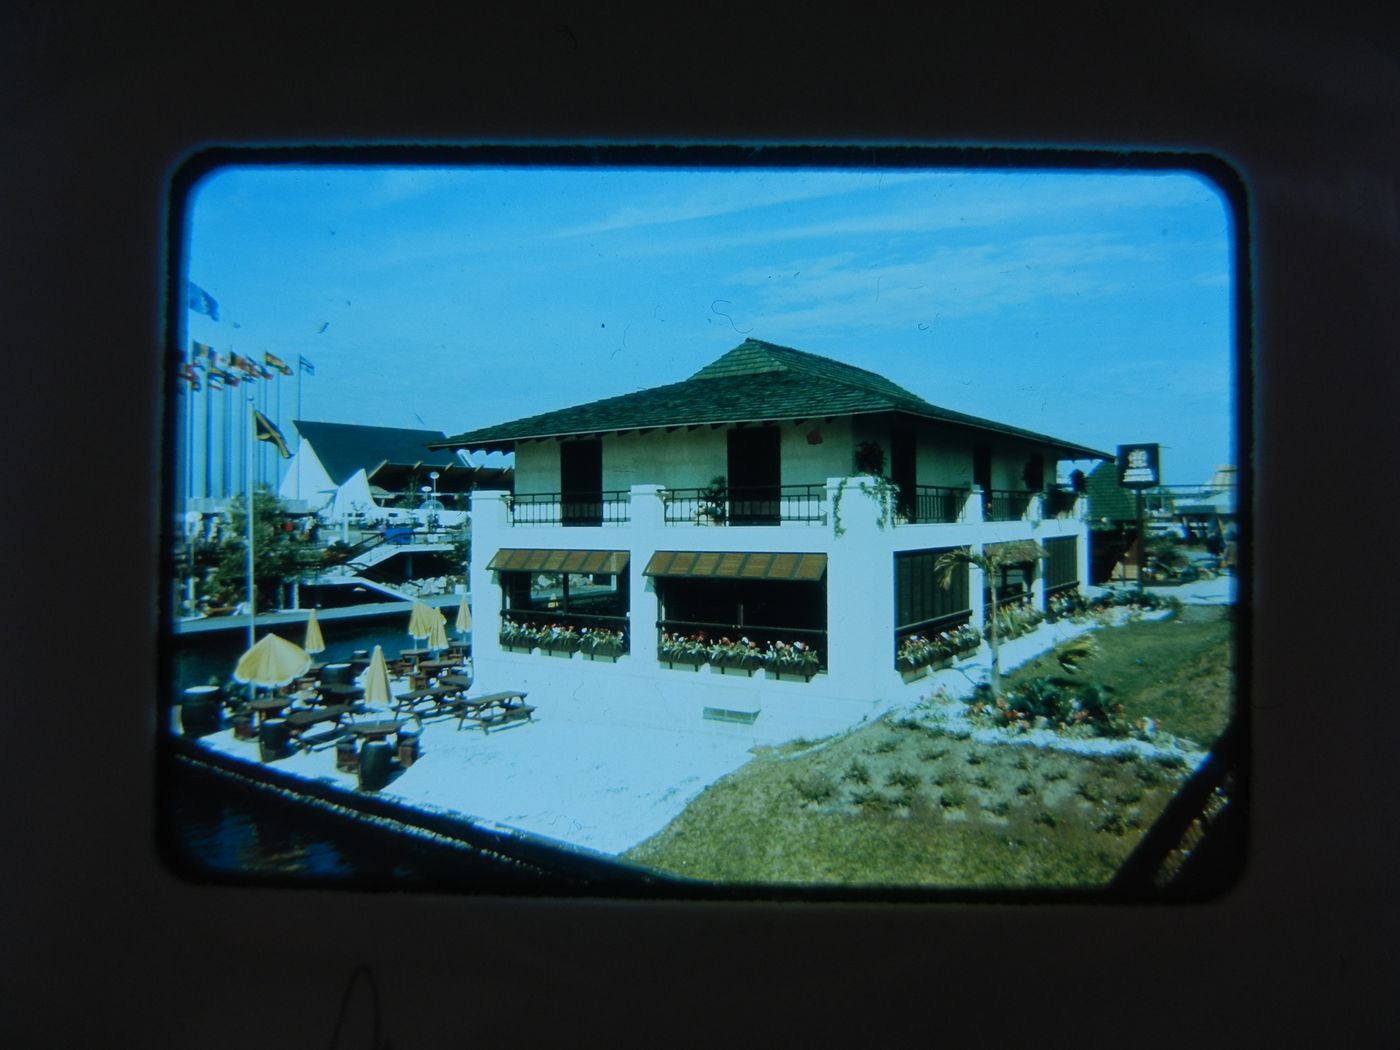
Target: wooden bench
(324, 739)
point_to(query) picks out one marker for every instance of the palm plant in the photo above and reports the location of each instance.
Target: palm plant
(990, 561)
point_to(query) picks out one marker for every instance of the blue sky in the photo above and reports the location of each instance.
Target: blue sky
(1095, 307)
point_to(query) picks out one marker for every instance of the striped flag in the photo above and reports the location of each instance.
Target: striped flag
(213, 380)
(306, 366)
(190, 376)
(265, 429)
(203, 354)
(273, 361)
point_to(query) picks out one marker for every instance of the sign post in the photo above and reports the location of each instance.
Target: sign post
(1139, 468)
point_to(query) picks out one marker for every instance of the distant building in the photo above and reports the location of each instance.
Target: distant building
(741, 503)
(374, 472)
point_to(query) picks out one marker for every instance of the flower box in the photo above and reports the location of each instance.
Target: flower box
(684, 659)
(560, 643)
(746, 662)
(604, 650)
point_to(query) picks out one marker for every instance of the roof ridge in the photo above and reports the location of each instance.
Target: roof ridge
(778, 358)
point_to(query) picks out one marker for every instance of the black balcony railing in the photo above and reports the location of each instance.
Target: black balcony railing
(1005, 504)
(754, 505)
(934, 504)
(559, 508)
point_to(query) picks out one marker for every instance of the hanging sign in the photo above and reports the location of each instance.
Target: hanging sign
(1139, 466)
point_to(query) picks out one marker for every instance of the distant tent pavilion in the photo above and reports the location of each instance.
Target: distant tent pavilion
(348, 463)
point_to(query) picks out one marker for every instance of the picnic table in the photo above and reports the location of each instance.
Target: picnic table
(492, 710)
(269, 705)
(378, 730)
(298, 721)
(439, 694)
(339, 692)
(432, 667)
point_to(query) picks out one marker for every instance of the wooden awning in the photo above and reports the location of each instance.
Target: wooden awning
(736, 565)
(512, 559)
(1017, 550)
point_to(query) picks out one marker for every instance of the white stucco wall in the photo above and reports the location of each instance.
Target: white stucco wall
(687, 458)
(638, 689)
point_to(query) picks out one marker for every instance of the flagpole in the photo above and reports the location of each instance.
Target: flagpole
(252, 604)
(300, 370)
(209, 395)
(189, 446)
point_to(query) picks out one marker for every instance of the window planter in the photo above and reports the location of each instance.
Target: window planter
(683, 659)
(737, 662)
(790, 672)
(605, 650)
(559, 645)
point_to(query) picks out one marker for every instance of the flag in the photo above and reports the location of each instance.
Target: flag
(262, 372)
(201, 302)
(273, 361)
(265, 429)
(306, 366)
(214, 383)
(190, 376)
(203, 354)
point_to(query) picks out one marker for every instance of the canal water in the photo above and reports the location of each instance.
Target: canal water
(217, 828)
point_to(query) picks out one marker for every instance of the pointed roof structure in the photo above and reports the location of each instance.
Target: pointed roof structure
(344, 448)
(755, 382)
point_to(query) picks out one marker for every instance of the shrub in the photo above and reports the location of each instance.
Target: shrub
(858, 773)
(814, 787)
(903, 778)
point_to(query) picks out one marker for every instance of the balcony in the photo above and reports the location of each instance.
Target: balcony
(934, 504)
(1005, 504)
(758, 505)
(557, 508)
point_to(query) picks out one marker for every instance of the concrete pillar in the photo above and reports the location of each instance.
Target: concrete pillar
(860, 567)
(490, 532)
(972, 507)
(644, 537)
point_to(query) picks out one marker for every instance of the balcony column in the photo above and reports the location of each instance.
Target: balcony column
(972, 515)
(859, 587)
(1081, 539)
(490, 517)
(972, 506)
(1035, 507)
(645, 534)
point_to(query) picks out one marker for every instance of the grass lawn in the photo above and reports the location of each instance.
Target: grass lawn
(903, 802)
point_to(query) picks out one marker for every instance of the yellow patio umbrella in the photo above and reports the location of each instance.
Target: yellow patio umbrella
(272, 661)
(377, 689)
(464, 618)
(437, 638)
(421, 619)
(314, 642)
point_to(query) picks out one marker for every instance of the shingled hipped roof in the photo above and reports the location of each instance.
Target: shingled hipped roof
(755, 382)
